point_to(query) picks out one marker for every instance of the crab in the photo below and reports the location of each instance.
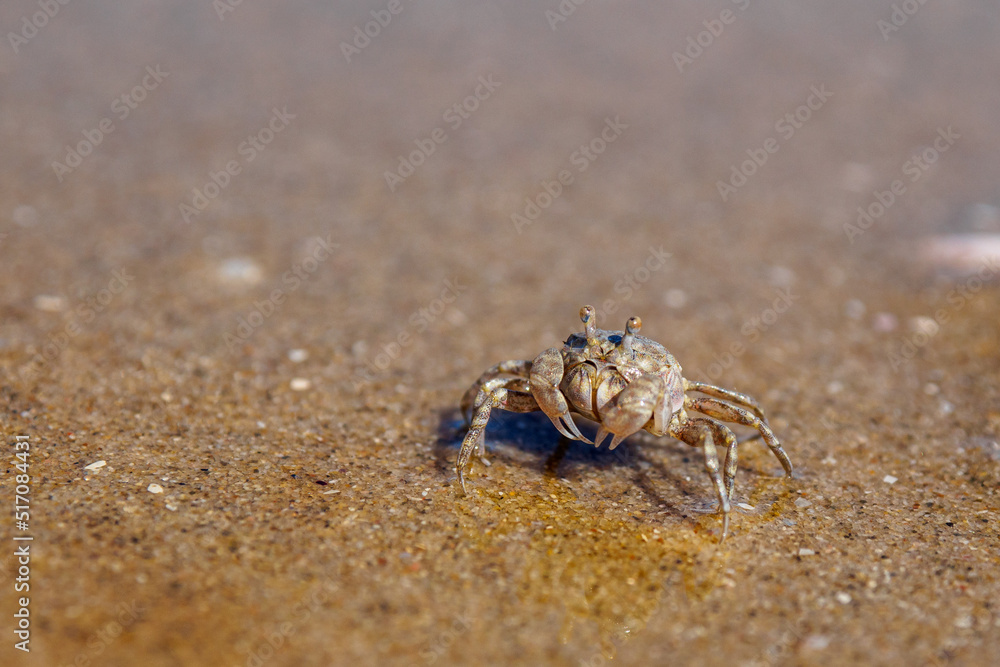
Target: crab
(625, 383)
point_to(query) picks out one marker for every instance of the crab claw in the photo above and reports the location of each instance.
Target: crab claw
(574, 432)
(631, 410)
(546, 374)
(603, 433)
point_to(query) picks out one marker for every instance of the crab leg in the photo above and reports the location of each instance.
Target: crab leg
(722, 434)
(731, 413)
(739, 398)
(515, 367)
(699, 434)
(546, 374)
(496, 396)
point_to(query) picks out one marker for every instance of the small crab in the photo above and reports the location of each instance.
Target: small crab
(626, 383)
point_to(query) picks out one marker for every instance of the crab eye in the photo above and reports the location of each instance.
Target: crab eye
(633, 325)
(586, 314)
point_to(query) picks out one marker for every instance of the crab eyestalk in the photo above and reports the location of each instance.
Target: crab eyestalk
(589, 317)
(631, 328)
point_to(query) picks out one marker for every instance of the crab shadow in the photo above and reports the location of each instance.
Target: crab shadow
(532, 441)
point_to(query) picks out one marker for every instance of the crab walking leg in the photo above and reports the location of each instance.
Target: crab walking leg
(516, 367)
(499, 397)
(546, 374)
(723, 435)
(739, 398)
(731, 413)
(517, 401)
(697, 434)
(631, 409)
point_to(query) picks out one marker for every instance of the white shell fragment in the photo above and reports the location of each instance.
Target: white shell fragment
(300, 384)
(240, 271)
(964, 254)
(889, 479)
(154, 488)
(96, 465)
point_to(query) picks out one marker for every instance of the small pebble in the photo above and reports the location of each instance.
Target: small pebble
(843, 598)
(781, 276)
(154, 488)
(675, 298)
(885, 322)
(806, 552)
(855, 309)
(172, 508)
(816, 642)
(924, 324)
(300, 384)
(241, 271)
(50, 303)
(963, 622)
(25, 216)
(835, 276)
(297, 356)
(802, 503)
(96, 465)
(456, 318)
(889, 479)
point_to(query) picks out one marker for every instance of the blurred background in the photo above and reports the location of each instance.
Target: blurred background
(245, 245)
